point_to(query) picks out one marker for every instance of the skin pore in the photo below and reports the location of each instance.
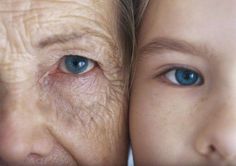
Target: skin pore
(183, 95)
(51, 114)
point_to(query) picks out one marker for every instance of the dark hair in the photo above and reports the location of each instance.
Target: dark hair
(139, 10)
(127, 34)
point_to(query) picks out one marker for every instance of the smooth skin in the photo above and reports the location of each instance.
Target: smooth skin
(176, 125)
(49, 115)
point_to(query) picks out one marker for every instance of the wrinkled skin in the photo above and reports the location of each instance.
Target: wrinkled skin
(173, 125)
(52, 117)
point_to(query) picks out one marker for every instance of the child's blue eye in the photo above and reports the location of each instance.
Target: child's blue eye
(184, 77)
(76, 64)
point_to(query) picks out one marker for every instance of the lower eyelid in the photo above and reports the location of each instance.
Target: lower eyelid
(63, 79)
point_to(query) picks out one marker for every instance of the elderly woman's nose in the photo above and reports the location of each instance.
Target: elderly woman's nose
(22, 133)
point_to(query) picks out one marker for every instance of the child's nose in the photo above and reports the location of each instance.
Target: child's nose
(218, 137)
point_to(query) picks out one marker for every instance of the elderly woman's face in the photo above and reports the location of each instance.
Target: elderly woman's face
(61, 83)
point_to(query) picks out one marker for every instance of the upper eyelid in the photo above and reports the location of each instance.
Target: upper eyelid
(75, 47)
(169, 67)
(58, 51)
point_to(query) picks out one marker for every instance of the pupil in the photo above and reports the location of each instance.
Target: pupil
(188, 75)
(75, 63)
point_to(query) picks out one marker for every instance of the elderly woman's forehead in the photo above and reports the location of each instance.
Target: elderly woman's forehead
(12, 8)
(28, 4)
(57, 16)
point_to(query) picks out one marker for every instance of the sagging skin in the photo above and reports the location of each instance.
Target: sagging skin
(49, 115)
(183, 109)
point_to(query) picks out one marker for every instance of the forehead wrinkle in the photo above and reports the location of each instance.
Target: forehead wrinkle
(64, 38)
(60, 36)
(22, 5)
(35, 17)
(90, 17)
(101, 28)
(14, 37)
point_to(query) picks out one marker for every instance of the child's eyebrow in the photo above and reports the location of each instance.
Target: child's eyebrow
(171, 44)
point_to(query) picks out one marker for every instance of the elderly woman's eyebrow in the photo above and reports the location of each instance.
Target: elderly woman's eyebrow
(64, 38)
(55, 39)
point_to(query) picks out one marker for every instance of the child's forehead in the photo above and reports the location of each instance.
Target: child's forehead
(208, 23)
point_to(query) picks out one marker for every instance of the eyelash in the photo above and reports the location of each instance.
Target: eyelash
(166, 76)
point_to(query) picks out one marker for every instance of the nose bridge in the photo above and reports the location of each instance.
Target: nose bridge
(22, 132)
(19, 97)
(17, 79)
(20, 119)
(17, 67)
(14, 133)
(22, 136)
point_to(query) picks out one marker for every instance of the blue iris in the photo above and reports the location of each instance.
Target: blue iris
(187, 77)
(76, 64)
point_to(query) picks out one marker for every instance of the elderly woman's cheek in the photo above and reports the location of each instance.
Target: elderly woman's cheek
(86, 111)
(87, 102)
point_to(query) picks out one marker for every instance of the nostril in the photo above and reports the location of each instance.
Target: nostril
(212, 148)
(2, 162)
(34, 156)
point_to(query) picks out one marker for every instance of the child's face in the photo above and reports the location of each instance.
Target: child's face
(183, 103)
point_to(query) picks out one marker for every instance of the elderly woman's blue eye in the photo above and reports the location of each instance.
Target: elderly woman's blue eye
(184, 77)
(76, 64)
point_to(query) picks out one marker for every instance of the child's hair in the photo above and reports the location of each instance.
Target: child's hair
(127, 35)
(139, 10)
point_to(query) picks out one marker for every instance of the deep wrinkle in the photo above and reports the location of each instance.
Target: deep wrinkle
(52, 117)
